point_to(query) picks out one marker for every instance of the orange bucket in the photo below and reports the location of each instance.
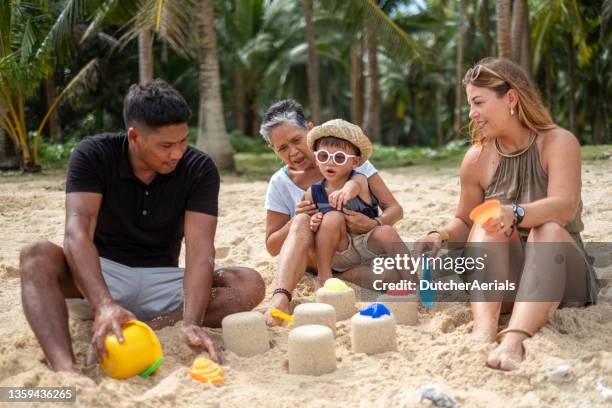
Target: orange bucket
(485, 211)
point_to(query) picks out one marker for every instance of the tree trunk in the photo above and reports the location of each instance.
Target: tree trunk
(356, 83)
(371, 117)
(255, 114)
(518, 29)
(486, 28)
(312, 65)
(502, 8)
(212, 135)
(239, 100)
(439, 131)
(571, 76)
(55, 130)
(145, 55)
(9, 159)
(459, 70)
(525, 59)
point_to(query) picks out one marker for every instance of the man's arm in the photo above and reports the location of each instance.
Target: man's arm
(84, 263)
(200, 231)
(79, 249)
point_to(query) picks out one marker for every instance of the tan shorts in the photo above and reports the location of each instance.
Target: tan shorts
(355, 254)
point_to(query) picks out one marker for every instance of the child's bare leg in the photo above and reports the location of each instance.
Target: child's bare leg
(330, 237)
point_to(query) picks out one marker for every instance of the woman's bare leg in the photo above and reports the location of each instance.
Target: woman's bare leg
(486, 313)
(292, 262)
(532, 315)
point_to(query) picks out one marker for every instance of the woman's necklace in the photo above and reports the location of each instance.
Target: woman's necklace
(531, 140)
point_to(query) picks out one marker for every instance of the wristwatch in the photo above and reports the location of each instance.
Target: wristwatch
(519, 213)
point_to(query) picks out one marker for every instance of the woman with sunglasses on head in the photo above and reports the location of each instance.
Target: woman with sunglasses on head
(520, 157)
(288, 234)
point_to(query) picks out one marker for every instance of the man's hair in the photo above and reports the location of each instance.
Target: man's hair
(154, 104)
(332, 141)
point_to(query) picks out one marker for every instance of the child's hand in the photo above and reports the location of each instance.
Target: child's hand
(339, 198)
(315, 221)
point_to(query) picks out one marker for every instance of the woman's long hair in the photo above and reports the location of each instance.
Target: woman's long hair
(501, 75)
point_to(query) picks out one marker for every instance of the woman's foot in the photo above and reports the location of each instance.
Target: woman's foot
(509, 354)
(484, 332)
(280, 302)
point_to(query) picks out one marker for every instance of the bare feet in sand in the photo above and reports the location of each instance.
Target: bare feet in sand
(280, 302)
(484, 332)
(509, 354)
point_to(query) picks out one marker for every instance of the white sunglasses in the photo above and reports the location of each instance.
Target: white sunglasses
(339, 158)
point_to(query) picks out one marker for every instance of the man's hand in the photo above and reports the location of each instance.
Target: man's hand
(197, 339)
(315, 221)
(108, 320)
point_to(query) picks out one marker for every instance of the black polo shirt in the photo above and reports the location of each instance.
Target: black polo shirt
(141, 225)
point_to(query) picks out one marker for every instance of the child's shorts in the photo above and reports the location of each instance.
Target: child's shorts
(355, 254)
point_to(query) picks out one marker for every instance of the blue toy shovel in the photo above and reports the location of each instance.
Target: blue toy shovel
(427, 296)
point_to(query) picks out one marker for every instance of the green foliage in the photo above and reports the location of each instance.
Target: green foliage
(245, 144)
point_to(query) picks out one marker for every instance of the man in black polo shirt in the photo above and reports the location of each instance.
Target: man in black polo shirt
(130, 200)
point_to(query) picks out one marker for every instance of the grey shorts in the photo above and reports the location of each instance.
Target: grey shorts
(146, 292)
(355, 254)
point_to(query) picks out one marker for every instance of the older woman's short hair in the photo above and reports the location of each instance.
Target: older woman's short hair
(288, 112)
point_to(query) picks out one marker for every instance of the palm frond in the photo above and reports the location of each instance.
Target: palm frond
(172, 20)
(99, 16)
(28, 41)
(60, 35)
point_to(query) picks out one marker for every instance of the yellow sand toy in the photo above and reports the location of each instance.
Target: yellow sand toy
(139, 354)
(281, 315)
(206, 371)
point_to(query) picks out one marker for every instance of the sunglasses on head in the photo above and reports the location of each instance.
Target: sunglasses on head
(475, 71)
(339, 158)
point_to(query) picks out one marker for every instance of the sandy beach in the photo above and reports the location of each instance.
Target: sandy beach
(436, 351)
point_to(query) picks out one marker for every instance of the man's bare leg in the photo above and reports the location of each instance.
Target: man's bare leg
(235, 290)
(45, 283)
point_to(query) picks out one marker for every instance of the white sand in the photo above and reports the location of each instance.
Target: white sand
(435, 351)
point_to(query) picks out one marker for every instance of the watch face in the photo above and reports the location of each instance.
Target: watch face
(520, 211)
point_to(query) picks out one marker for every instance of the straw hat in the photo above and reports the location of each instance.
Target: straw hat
(342, 129)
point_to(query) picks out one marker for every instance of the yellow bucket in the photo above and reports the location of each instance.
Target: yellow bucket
(139, 354)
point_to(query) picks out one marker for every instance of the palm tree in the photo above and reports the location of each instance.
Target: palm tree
(356, 82)
(32, 42)
(212, 135)
(312, 65)
(504, 40)
(486, 28)
(371, 117)
(145, 55)
(520, 35)
(459, 70)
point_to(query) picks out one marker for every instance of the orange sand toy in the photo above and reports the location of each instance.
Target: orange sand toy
(206, 371)
(485, 211)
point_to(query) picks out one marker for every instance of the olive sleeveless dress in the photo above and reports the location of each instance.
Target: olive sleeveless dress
(521, 180)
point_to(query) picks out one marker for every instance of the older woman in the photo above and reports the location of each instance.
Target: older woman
(284, 128)
(520, 157)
